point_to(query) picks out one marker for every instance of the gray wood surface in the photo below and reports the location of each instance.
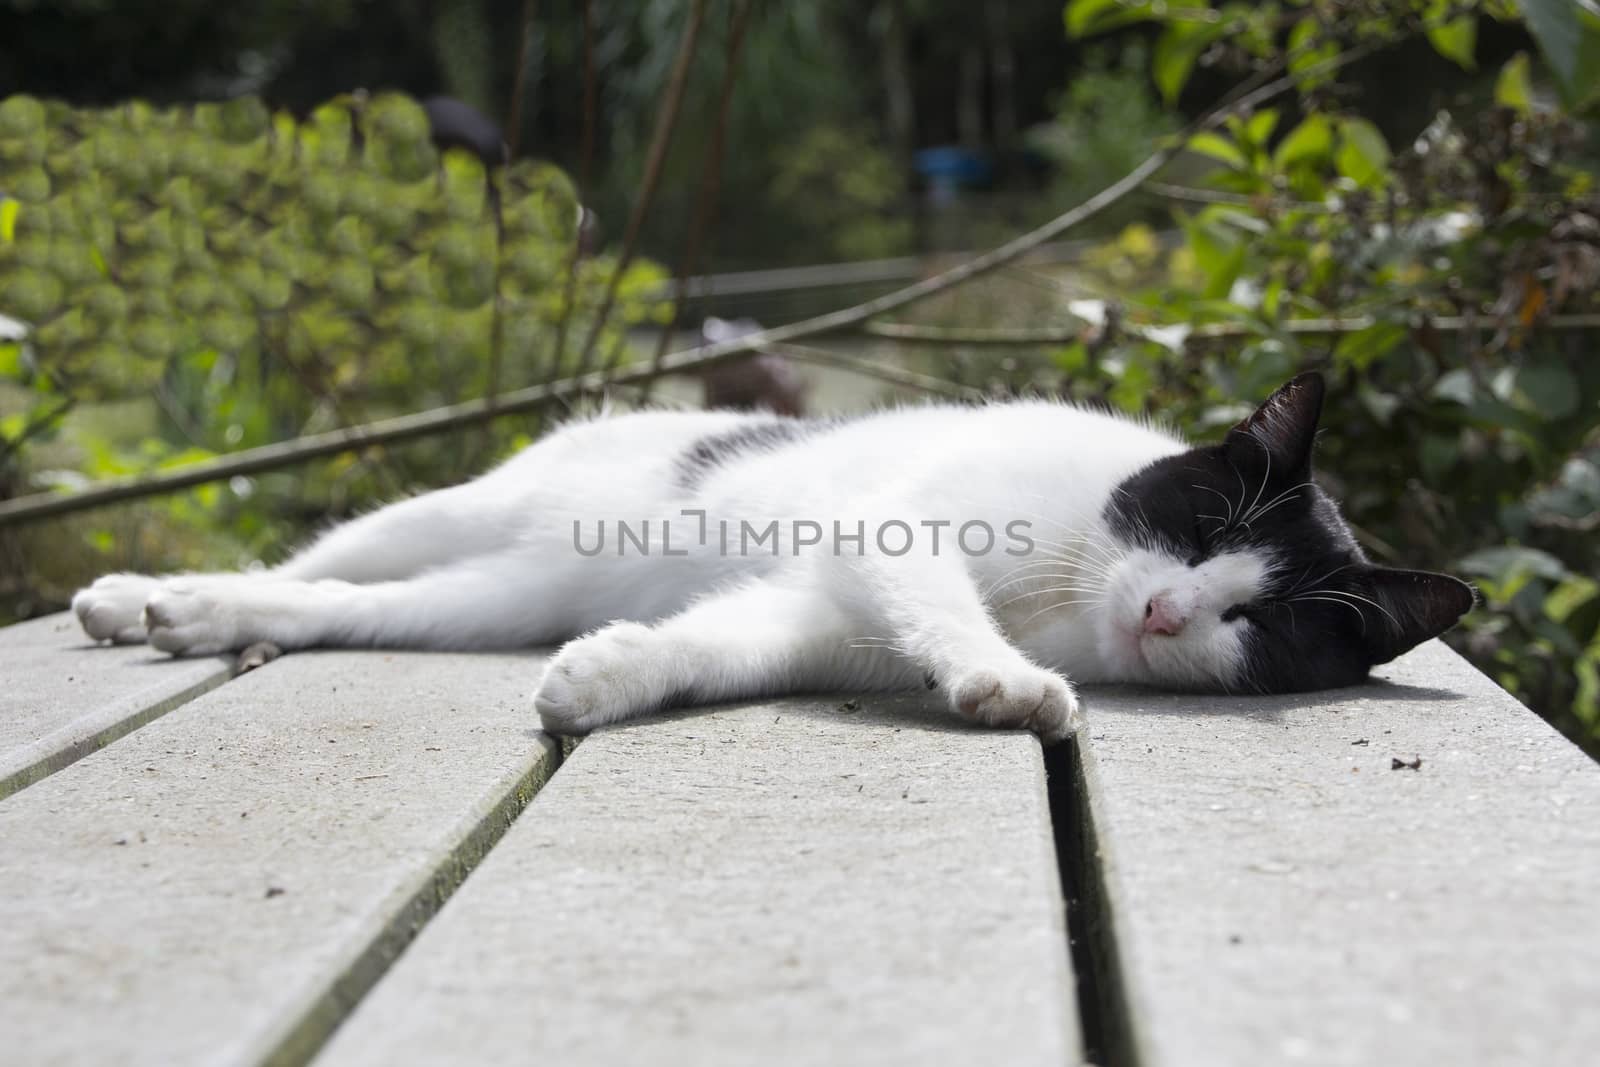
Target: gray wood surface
(786, 883)
(220, 885)
(62, 696)
(1278, 893)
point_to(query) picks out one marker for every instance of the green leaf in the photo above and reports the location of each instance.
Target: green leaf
(1363, 155)
(1303, 56)
(9, 210)
(1568, 34)
(1261, 125)
(1506, 560)
(1218, 147)
(1366, 346)
(1310, 141)
(1549, 389)
(1177, 49)
(1085, 18)
(1512, 88)
(1457, 39)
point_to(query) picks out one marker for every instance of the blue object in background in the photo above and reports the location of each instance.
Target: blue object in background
(948, 168)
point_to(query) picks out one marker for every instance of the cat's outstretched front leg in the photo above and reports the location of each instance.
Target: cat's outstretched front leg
(932, 606)
(761, 638)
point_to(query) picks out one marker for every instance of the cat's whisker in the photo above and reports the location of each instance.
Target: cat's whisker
(1358, 597)
(1095, 557)
(1046, 592)
(1228, 503)
(1039, 577)
(1091, 557)
(1281, 498)
(1303, 585)
(1266, 475)
(1083, 564)
(1053, 607)
(1334, 600)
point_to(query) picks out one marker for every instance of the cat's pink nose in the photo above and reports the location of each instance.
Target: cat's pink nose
(1163, 616)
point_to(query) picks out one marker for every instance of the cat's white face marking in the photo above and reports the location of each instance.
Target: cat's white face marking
(1164, 620)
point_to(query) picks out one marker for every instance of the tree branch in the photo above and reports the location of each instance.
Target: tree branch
(655, 162)
(705, 206)
(883, 372)
(938, 335)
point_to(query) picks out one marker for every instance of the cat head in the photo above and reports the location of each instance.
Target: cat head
(1238, 572)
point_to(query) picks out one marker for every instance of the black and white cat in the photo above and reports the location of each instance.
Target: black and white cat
(994, 552)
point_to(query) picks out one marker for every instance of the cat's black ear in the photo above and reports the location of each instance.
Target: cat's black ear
(1285, 425)
(1413, 606)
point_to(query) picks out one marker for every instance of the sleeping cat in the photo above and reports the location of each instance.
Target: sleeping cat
(999, 553)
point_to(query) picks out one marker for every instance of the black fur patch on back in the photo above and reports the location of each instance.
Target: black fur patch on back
(765, 435)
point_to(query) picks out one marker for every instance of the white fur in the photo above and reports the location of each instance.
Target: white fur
(491, 564)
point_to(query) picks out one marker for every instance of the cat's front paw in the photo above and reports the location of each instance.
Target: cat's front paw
(601, 678)
(110, 608)
(1019, 696)
(190, 620)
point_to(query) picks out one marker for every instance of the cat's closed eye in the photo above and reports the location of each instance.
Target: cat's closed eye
(1237, 611)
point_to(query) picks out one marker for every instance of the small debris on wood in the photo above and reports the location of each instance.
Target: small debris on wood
(1360, 741)
(369, 777)
(275, 891)
(1235, 939)
(850, 705)
(1413, 764)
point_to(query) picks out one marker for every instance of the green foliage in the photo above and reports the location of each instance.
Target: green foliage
(1106, 120)
(252, 278)
(1468, 438)
(837, 184)
(1568, 33)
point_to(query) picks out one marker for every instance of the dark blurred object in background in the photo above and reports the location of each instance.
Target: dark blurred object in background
(763, 381)
(460, 125)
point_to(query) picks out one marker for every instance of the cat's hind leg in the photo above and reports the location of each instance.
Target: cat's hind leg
(407, 537)
(398, 541)
(761, 638)
(486, 602)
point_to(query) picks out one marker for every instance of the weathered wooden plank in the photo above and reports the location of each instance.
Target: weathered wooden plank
(220, 885)
(785, 883)
(63, 696)
(1277, 893)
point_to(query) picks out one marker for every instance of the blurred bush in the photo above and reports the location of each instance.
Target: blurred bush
(250, 278)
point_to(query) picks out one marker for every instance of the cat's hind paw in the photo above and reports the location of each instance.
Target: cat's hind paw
(1019, 696)
(599, 679)
(110, 609)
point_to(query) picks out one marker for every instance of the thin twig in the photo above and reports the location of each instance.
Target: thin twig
(519, 83)
(1216, 196)
(581, 183)
(883, 372)
(655, 162)
(36, 425)
(939, 335)
(710, 184)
